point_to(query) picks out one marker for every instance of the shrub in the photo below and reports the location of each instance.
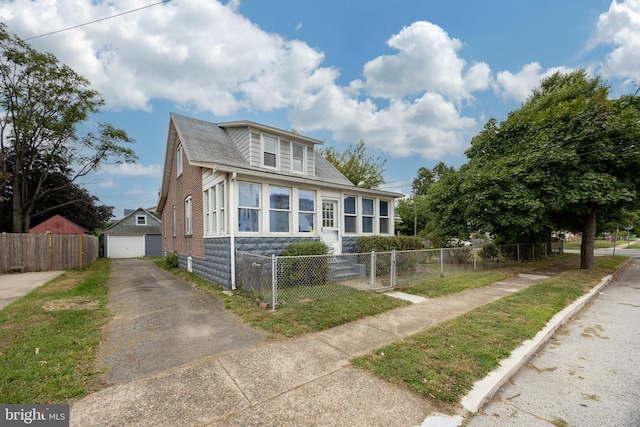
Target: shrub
(489, 252)
(171, 260)
(388, 243)
(315, 247)
(303, 271)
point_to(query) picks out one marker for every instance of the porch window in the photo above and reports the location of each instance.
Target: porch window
(269, 151)
(367, 215)
(222, 203)
(279, 207)
(187, 216)
(384, 217)
(298, 152)
(248, 207)
(306, 211)
(350, 214)
(207, 211)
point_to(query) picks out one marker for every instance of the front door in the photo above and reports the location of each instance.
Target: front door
(330, 233)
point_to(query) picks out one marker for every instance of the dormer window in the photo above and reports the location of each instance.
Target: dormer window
(269, 151)
(141, 220)
(298, 157)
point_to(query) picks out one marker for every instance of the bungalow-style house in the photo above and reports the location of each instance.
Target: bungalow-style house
(244, 186)
(57, 224)
(138, 234)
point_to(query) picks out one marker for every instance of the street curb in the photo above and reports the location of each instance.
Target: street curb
(484, 389)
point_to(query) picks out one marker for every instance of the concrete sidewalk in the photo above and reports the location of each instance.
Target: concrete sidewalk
(304, 381)
(14, 286)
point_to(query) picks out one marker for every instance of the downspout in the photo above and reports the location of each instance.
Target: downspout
(232, 229)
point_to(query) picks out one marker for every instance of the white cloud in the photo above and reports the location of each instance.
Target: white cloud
(133, 169)
(620, 26)
(205, 56)
(427, 60)
(518, 86)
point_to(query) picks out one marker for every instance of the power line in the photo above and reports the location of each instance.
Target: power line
(98, 20)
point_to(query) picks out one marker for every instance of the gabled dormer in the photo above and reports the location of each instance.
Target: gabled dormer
(273, 149)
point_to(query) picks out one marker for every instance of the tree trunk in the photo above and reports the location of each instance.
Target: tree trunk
(17, 201)
(588, 240)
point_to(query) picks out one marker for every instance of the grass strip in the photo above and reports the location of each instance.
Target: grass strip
(296, 319)
(48, 338)
(445, 361)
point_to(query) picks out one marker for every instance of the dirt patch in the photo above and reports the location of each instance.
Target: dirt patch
(73, 303)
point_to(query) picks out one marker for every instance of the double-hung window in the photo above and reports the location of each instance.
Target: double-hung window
(298, 157)
(248, 207)
(350, 224)
(269, 151)
(306, 211)
(384, 217)
(279, 208)
(141, 220)
(367, 215)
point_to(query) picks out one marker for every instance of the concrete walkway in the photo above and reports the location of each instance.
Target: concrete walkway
(307, 381)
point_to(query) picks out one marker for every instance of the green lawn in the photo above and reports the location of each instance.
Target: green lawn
(48, 338)
(443, 362)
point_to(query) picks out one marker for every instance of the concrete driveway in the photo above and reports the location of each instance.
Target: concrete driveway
(161, 322)
(14, 286)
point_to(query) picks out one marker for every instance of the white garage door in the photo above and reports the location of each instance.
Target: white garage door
(125, 246)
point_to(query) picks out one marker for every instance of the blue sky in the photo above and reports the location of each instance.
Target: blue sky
(414, 79)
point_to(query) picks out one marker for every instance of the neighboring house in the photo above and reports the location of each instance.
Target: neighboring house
(57, 224)
(243, 186)
(137, 234)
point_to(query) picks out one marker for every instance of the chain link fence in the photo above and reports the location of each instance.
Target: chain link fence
(286, 280)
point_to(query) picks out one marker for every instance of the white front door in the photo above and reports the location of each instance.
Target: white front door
(330, 233)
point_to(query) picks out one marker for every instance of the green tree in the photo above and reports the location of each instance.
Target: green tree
(355, 163)
(568, 154)
(43, 103)
(415, 211)
(427, 177)
(62, 197)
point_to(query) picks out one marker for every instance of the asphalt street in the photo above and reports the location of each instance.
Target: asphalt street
(587, 375)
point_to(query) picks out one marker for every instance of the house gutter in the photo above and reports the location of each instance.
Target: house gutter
(232, 229)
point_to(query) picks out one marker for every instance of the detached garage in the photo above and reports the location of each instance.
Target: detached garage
(136, 235)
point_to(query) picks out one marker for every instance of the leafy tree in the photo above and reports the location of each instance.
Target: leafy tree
(43, 102)
(567, 155)
(61, 197)
(416, 211)
(360, 167)
(427, 177)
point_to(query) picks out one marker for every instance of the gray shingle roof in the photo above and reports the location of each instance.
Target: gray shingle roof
(206, 142)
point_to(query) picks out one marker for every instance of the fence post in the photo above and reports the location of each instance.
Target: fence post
(393, 268)
(475, 260)
(49, 251)
(372, 274)
(441, 262)
(274, 282)
(518, 252)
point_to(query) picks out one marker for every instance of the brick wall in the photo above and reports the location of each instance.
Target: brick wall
(189, 183)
